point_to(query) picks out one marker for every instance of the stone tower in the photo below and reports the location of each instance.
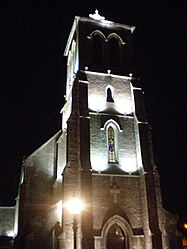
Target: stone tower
(103, 155)
(109, 153)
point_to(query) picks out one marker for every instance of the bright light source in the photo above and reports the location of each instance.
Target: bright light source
(185, 226)
(75, 206)
(59, 210)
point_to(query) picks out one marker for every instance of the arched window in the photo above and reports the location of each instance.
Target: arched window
(116, 238)
(97, 49)
(112, 129)
(114, 51)
(109, 95)
(111, 145)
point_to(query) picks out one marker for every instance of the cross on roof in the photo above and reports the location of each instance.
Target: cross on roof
(96, 16)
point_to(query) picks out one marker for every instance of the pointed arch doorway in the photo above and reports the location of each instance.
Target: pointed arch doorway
(116, 238)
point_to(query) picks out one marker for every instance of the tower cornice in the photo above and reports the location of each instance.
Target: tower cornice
(102, 23)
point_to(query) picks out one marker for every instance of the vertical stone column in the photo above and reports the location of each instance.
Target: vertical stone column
(86, 175)
(71, 175)
(147, 180)
(150, 187)
(77, 175)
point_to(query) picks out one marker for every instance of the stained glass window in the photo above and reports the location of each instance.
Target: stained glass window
(111, 145)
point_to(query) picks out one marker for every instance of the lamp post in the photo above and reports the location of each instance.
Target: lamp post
(75, 232)
(75, 206)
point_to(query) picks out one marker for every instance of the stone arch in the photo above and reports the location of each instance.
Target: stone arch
(97, 47)
(113, 123)
(114, 35)
(112, 141)
(123, 224)
(114, 49)
(112, 150)
(98, 32)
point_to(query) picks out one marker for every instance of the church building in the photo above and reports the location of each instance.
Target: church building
(102, 158)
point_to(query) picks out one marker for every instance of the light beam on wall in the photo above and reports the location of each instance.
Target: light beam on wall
(99, 163)
(123, 106)
(129, 165)
(10, 233)
(96, 103)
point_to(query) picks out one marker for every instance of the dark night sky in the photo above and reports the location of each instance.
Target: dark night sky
(32, 75)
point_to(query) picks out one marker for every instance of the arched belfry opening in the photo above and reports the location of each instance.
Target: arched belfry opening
(97, 48)
(114, 51)
(116, 238)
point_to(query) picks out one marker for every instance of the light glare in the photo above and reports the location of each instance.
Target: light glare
(59, 210)
(75, 206)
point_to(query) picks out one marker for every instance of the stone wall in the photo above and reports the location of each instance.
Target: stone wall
(7, 216)
(40, 195)
(127, 200)
(121, 92)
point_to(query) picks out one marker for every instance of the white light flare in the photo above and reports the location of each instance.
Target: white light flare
(59, 210)
(75, 206)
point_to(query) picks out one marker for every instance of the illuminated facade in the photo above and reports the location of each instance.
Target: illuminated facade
(103, 155)
(110, 162)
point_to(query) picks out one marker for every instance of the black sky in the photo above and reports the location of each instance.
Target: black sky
(32, 75)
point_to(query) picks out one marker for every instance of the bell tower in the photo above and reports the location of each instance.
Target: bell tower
(109, 162)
